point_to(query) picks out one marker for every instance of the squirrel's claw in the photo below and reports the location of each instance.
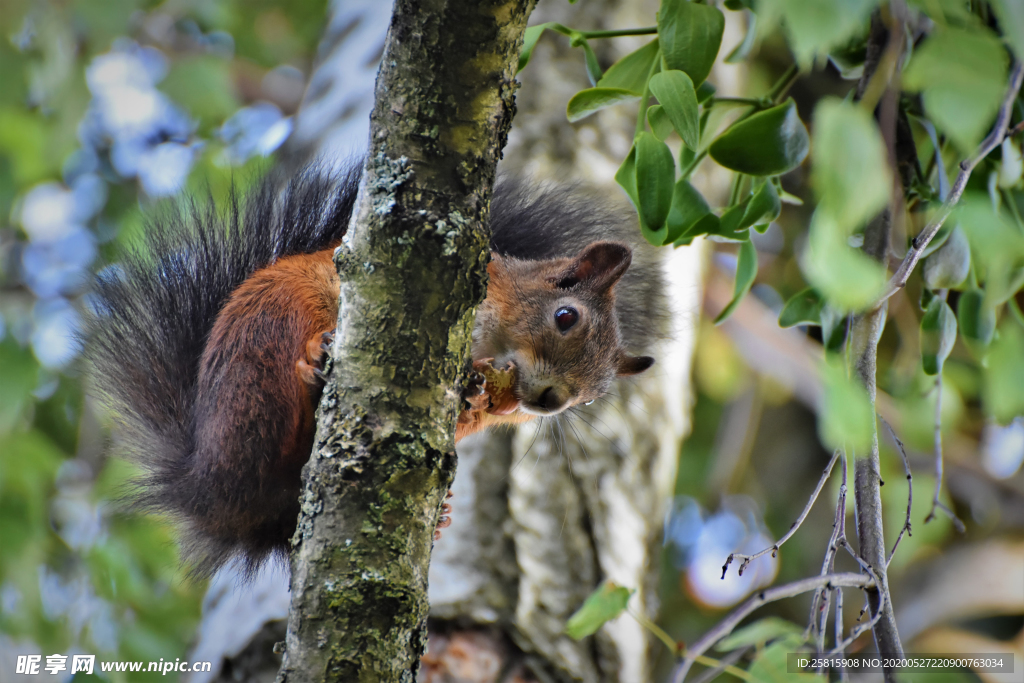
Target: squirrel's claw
(326, 340)
(474, 394)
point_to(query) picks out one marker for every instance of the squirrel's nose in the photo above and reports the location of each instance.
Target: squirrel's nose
(550, 400)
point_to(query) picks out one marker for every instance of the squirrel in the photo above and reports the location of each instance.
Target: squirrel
(208, 342)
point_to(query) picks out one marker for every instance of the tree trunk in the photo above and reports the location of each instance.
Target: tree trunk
(412, 269)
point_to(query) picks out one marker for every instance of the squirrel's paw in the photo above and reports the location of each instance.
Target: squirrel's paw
(318, 350)
(500, 385)
(474, 395)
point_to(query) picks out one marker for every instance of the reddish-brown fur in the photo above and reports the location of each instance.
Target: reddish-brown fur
(259, 381)
(258, 389)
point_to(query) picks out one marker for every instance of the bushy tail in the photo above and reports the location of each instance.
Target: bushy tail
(154, 309)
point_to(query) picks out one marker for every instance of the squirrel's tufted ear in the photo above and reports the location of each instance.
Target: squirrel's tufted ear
(633, 365)
(599, 265)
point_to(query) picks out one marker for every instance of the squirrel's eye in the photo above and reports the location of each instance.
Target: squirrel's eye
(566, 317)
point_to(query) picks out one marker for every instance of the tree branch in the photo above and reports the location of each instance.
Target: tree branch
(910, 490)
(412, 270)
(747, 559)
(862, 349)
(936, 503)
(994, 139)
(789, 590)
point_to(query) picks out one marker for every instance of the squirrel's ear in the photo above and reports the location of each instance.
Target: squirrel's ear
(633, 365)
(600, 265)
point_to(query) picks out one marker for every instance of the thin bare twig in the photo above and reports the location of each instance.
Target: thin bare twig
(994, 139)
(856, 632)
(936, 503)
(910, 489)
(815, 627)
(747, 559)
(843, 676)
(789, 590)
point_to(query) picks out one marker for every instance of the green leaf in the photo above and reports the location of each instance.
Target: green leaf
(759, 633)
(735, 223)
(530, 38)
(705, 92)
(803, 308)
(768, 143)
(938, 334)
(24, 140)
(962, 76)
(948, 266)
(995, 242)
(846, 419)
(626, 176)
(603, 605)
(28, 465)
(742, 51)
(850, 168)
(675, 92)
(849, 59)
(586, 102)
(593, 68)
(764, 206)
(655, 181)
(690, 36)
(1003, 392)
(815, 27)
(1011, 20)
(730, 226)
(708, 225)
(688, 208)
(630, 72)
(20, 372)
(659, 122)
(833, 328)
(746, 271)
(977, 319)
(845, 276)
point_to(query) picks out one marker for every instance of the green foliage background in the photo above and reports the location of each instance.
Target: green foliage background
(121, 594)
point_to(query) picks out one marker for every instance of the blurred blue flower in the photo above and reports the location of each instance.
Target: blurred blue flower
(259, 129)
(146, 134)
(61, 267)
(1002, 448)
(702, 541)
(73, 601)
(55, 261)
(55, 323)
(163, 169)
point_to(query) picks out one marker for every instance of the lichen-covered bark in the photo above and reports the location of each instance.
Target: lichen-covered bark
(412, 269)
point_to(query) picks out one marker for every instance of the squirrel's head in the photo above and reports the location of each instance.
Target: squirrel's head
(555, 320)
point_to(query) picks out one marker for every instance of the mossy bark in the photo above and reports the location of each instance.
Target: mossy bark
(412, 270)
